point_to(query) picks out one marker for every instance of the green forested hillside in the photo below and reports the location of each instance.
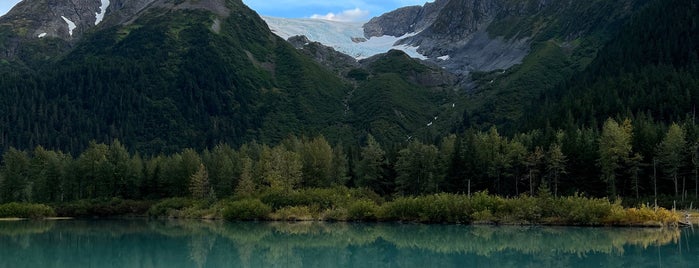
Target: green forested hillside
(398, 97)
(168, 81)
(649, 69)
(565, 37)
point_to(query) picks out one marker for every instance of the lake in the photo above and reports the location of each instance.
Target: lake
(175, 243)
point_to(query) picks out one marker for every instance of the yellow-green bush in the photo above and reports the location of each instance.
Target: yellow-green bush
(362, 210)
(167, 207)
(295, 213)
(248, 209)
(25, 210)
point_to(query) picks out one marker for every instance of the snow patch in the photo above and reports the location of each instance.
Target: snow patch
(340, 36)
(71, 25)
(42, 35)
(103, 10)
(446, 57)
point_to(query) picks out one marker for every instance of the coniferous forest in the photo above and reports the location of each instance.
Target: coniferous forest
(622, 128)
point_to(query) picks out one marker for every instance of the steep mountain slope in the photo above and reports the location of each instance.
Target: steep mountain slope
(648, 71)
(162, 75)
(398, 98)
(470, 35)
(177, 74)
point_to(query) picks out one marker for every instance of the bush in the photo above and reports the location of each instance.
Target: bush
(402, 209)
(103, 208)
(297, 213)
(249, 209)
(362, 210)
(166, 207)
(322, 198)
(335, 214)
(25, 210)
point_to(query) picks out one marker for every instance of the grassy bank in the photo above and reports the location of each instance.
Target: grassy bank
(25, 211)
(344, 204)
(480, 208)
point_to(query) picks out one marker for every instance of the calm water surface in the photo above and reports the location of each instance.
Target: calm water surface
(142, 243)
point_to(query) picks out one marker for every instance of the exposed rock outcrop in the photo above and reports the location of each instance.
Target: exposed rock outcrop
(339, 63)
(404, 20)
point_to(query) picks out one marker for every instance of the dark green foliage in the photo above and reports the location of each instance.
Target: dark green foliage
(25, 210)
(649, 70)
(103, 208)
(167, 82)
(248, 209)
(321, 198)
(166, 206)
(395, 102)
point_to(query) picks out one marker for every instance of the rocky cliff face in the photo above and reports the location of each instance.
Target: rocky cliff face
(453, 34)
(485, 35)
(404, 20)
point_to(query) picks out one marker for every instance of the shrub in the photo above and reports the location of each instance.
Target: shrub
(296, 213)
(25, 210)
(103, 208)
(448, 208)
(335, 214)
(362, 210)
(167, 207)
(248, 209)
(402, 209)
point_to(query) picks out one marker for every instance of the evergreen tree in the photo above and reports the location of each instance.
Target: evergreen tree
(614, 148)
(246, 185)
(556, 165)
(370, 169)
(533, 162)
(671, 154)
(199, 185)
(340, 167)
(317, 156)
(280, 169)
(14, 183)
(418, 169)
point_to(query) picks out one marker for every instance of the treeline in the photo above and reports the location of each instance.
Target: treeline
(628, 158)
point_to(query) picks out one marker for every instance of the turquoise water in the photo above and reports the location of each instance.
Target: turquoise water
(142, 243)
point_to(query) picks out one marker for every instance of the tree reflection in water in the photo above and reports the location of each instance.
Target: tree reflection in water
(172, 243)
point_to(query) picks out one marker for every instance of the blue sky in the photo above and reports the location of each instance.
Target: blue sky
(347, 10)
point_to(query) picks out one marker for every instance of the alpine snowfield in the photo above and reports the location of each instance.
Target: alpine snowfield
(345, 37)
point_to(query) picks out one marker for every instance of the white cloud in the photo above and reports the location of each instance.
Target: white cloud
(356, 14)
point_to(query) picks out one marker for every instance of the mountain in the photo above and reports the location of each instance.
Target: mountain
(162, 75)
(508, 52)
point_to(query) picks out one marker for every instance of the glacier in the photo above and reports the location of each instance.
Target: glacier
(345, 37)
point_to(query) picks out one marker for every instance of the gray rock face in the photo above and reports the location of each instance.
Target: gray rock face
(65, 19)
(404, 20)
(327, 56)
(452, 33)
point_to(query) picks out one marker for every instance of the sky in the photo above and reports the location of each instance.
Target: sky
(339, 10)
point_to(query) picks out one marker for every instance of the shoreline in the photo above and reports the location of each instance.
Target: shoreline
(655, 225)
(40, 219)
